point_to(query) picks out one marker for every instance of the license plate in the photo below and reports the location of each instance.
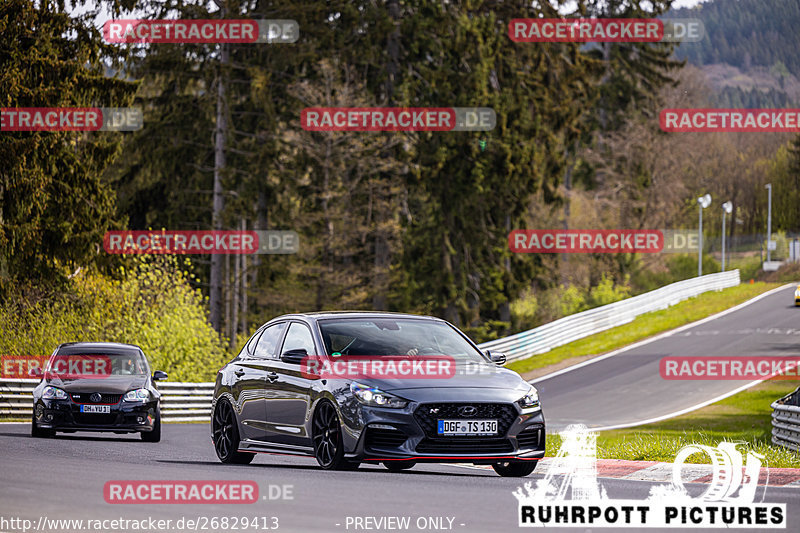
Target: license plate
(467, 427)
(95, 408)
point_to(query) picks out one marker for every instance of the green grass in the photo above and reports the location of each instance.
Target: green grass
(743, 417)
(646, 325)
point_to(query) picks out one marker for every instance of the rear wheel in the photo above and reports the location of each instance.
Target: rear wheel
(40, 433)
(155, 434)
(226, 436)
(327, 439)
(399, 466)
(515, 468)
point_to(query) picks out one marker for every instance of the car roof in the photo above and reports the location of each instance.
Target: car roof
(98, 347)
(321, 315)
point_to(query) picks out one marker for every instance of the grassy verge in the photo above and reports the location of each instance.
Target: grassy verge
(644, 326)
(744, 417)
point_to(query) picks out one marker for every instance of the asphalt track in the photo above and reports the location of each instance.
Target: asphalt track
(626, 389)
(63, 478)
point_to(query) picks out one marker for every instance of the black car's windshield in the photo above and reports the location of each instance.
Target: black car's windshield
(86, 363)
(395, 336)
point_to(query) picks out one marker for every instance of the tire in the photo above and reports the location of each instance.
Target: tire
(155, 434)
(39, 433)
(226, 436)
(515, 468)
(399, 466)
(327, 439)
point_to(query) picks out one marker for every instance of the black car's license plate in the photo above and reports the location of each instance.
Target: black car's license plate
(95, 408)
(467, 427)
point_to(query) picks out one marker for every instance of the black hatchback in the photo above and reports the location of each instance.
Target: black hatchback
(353, 387)
(98, 386)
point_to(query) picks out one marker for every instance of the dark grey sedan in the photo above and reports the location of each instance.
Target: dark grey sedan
(353, 387)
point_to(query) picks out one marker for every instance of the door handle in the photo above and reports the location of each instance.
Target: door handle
(272, 377)
(239, 373)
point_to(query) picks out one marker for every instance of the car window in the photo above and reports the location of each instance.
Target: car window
(251, 344)
(299, 337)
(267, 347)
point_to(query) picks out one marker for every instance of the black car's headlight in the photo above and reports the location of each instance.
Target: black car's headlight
(376, 397)
(531, 399)
(53, 393)
(138, 395)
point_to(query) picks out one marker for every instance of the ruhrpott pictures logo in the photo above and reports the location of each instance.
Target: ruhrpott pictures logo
(728, 502)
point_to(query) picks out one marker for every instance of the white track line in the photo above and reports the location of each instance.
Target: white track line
(661, 336)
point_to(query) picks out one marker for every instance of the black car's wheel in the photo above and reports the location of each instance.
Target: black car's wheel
(226, 436)
(515, 468)
(399, 466)
(327, 439)
(40, 433)
(155, 434)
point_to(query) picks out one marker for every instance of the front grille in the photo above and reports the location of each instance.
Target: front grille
(85, 398)
(503, 412)
(95, 419)
(384, 438)
(529, 438)
(465, 446)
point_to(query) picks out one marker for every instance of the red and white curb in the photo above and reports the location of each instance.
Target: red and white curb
(654, 471)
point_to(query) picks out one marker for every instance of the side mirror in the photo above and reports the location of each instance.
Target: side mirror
(497, 358)
(158, 375)
(294, 357)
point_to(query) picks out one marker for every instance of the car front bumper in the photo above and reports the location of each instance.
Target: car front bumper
(410, 434)
(65, 415)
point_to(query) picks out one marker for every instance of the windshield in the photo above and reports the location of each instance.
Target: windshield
(404, 336)
(130, 363)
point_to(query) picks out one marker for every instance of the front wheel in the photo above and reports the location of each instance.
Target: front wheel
(40, 433)
(226, 436)
(155, 434)
(327, 439)
(515, 468)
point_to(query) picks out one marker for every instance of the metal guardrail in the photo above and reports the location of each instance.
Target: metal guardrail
(573, 327)
(180, 402)
(191, 402)
(786, 421)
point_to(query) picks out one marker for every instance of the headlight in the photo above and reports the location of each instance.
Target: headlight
(54, 393)
(138, 395)
(529, 400)
(376, 397)
(797, 293)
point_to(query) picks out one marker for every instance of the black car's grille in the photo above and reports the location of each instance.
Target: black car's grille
(465, 446)
(384, 438)
(530, 437)
(429, 414)
(95, 419)
(86, 398)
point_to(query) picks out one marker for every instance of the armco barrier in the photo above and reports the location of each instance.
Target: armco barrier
(786, 421)
(574, 327)
(191, 402)
(180, 402)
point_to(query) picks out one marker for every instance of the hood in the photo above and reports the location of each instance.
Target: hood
(477, 377)
(108, 385)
